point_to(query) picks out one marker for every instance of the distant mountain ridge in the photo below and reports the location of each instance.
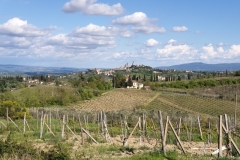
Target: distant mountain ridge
(9, 69)
(199, 66)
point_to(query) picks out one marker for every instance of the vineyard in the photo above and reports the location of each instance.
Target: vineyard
(124, 124)
(192, 104)
(119, 99)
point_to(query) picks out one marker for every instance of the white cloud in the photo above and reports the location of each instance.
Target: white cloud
(14, 42)
(220, 50)
(151, 43)
(180, 29)
(18, 27)
(173, 50)
(234, 51)
(126, 34)
(95, 30)
(59, 39)
(92, 8)
(222, 44)
(149, 29)
(133, 19)
(208, 52)
(140, 22)
(80, 42)
(125, 55)
(220, 54)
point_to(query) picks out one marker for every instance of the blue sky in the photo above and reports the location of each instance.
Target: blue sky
(111, 33)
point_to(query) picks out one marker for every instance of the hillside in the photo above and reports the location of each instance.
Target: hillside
(170, 103)
(35, 70)
(198, 66)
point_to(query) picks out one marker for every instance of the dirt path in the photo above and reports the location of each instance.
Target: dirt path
(152, 99)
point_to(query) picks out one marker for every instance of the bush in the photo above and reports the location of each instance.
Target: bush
(12, 106)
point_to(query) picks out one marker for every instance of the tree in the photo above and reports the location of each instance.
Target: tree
(81, 77)
(12, 106)
(134, 77)
(156, 77)
(189, 76)
(179, 78)
(237, 73)
(119, 81)
(151, 78)
(144, 78)
(113, 82)
(129, 82)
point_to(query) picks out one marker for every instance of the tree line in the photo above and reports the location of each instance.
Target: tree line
(195, 83)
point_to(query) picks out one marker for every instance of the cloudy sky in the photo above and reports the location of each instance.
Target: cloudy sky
(110, 33)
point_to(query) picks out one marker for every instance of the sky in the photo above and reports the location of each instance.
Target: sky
(111, 33)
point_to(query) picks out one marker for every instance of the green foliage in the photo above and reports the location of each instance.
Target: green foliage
(59, 152)
(119, 81)
(42, 95)
(237, 73)
(20, 114)
(15, 110)
(7, 83)
(129, 82)
(10, 149)
(12, 106)
(195, 83)
(128, 149)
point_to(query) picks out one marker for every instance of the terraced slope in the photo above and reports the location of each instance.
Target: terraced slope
(118, 99)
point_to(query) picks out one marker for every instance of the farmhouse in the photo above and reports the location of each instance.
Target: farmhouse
(161, 78)
(136, 84)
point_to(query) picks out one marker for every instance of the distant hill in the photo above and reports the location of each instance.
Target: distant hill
(6, 69)
(198, 66)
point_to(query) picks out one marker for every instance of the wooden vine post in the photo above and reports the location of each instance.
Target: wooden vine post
(162, 131)
(230, 140)
(37, 118)
(220, 136)
(235, 112)
(200, 129)
(125, 143)
(179, 126)
(209, 132)
(80, 124)
(165, 134)
(41, 126)
(168, 122)
(143, 127)
(7, 119)
(139, 125)
(63, 125)
(179, 141)
(24, 123)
